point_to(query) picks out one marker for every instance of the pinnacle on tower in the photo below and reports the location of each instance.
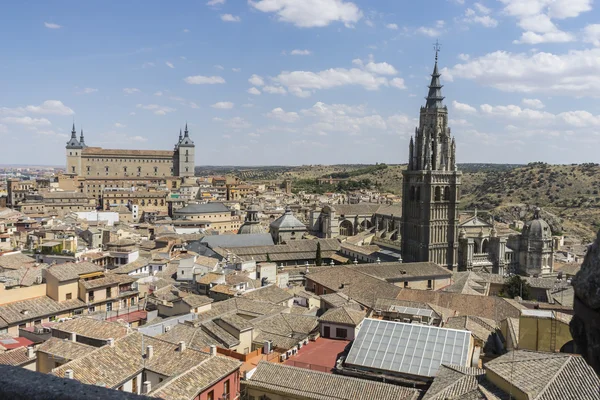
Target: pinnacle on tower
(186, 130)
(180, 135)
(81, 141)
(74, 132)
(434, 97)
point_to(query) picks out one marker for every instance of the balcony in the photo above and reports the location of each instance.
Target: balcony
(482, 259)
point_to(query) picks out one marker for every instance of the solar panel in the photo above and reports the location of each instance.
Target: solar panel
(408, 348)
(411, 311)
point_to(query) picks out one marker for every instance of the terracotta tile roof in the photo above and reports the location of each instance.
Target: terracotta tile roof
(235, 321)
(70, 271)
(215, 331)
(451, 382)
(335, 299)
(361, 287)
(272, 294)
(322, 386)
(64, 348)
(398, 271)
(132, 266)
(93, 328)
(547, 376)
(15, 357)
(287, 325)
(480, 328)
(107, 280)
(15, 261)
(208, 278)
(28, 275)
(224, 289)
(191, 383)
(343, 315)
(195, 300)
(193, 337)
(110, 366)
(35, 308)
(495, 308)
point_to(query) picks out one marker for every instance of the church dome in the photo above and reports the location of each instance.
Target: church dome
(252, 223)
(287, 221)
(537, 228)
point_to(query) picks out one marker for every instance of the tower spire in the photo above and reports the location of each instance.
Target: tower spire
(434, 97)
(185, 132)
(73, 131)
(180, 135)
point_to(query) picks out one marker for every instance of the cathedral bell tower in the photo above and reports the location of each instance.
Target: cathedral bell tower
(430, 188)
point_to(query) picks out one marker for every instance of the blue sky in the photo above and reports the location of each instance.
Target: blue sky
(266, 82)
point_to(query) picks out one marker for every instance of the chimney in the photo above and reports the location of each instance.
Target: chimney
(213, 350)
(30, 352)
(146, 386)
(149, 352)
(72, 336)
(110, 342)
(181, 346)
(69, 374)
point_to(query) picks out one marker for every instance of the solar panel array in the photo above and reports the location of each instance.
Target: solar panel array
(413, 349)
(411, 311)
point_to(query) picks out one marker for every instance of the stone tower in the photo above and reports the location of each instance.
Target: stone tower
(185, 155)
(74, 148)
(430, 188)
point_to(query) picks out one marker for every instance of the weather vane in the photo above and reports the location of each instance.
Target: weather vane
(437, 47)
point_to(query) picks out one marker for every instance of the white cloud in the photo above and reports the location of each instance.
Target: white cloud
(131, 90)
(398, 83)
(513, 111)
(463, 107)
(51, 25)
(215, 2)
(148, 65)
(256, 80)
(27, 121)
(193, 105)
(464, 57)
(440, 23)
(392, 26)
(304, 83)
(297, 52)
(280, 114)
(156, 109)
(3, 129)
(341, 118)
(254, 91)
(219, 67)
(382, 68)
(479, 16)
(311, 13)
(119, 125)
(254, 134)
(591, 34)
(186, 31)
(236, 123)
(533, 103)
(574, 73)
(274, 89)
(204, 80)
(223, 105)
(535, 18)
(49, 107)
(431, 32)
(236, 69)
(87, 90)
(169, 64)
(230, 18)
(159, 93)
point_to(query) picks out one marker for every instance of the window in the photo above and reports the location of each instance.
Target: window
(91, 296)
(109, 306)
(108, 293)
(405, 284)
(340, 332)
(133, 301)
(226, 389)
(69, 296)
(211, 395)
(37, 322)
(429, 285)
(92, 309)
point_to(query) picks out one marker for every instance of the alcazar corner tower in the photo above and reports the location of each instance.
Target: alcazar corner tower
(430, 188)
(96, 162)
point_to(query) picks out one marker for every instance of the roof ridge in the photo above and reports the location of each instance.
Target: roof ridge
(551, 380)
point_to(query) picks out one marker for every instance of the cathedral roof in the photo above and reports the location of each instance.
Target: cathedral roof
(287, 221)
(73, 143)
(186, 141)
(537, 228)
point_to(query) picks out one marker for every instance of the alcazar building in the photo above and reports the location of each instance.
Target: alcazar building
(96, 162)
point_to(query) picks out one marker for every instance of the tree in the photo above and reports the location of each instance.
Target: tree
(516, 286)
(318, 259)
(268, 258)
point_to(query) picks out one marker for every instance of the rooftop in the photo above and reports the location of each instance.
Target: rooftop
(64, 348)
(322, 386)
(271, 293)
(70, 271)
(31, 309)
(343, 315)
(93, 328)
(208, 208)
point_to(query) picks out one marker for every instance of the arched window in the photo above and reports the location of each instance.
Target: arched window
(447, 193)
(438, 193)
(484, 246)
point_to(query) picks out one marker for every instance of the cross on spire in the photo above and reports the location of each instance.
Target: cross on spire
(437, 47)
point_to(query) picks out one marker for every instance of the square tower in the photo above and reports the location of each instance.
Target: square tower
(430, 188)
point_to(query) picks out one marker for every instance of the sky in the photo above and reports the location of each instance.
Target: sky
(297, 82)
